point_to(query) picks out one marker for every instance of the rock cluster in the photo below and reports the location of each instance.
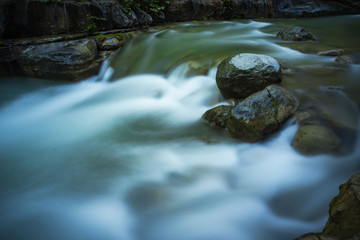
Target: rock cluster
(68, 59)
(262, 107)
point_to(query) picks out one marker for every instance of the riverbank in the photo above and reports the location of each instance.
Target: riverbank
(29, 24)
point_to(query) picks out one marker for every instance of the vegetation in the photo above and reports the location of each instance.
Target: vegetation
(147, 5)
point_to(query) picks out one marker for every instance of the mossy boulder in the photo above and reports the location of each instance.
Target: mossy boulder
(241, 75)
(110, 41)
(261, 113)
(295, 33)
(344, 212)
(70, 60)
(315, 139)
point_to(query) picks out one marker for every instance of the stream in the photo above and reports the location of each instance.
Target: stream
(126, 156)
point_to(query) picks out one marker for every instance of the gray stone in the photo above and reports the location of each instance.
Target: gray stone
(244, 74)
(261, 113)
(71, 60)
(344, 212)
(110, 43)
(295, 33)
(315, 139)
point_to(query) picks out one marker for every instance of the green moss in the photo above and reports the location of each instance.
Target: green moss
(102, 37)
(91, 27)
(131, 35)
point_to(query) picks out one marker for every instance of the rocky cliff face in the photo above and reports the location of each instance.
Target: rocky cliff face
(24, 18)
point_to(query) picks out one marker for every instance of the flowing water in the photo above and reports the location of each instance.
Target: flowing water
(127, 157)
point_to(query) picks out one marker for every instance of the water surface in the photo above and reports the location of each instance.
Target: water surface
(128, 157)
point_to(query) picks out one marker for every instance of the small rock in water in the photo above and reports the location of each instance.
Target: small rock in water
(344, 59)
(110, 43)
(217, 116)
(315, 139)
(295, 33)
(244, 74)
(261, 113)
(331, 53)
(344, 212)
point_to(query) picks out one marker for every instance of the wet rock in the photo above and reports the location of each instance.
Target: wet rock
(71, 60)
(344, 212)
(261, 113)
(331, 53)
(316, 236)
(217, 116)
(118, 17)
(315, 139)
(244, 74)
(143, 18)
(345, 59)
(295, 33)
(110, 41)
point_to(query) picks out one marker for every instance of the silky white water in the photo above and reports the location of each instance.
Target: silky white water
(128, 157)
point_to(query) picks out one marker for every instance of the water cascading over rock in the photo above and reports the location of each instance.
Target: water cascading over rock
(262, 107)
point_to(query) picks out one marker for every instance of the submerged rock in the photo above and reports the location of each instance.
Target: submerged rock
(295, 33)
(241, 75)
(344, 59)
(315, 139)
(73, 60)
(331, 53)
(217, 116)
(261, 113)
(344, 212)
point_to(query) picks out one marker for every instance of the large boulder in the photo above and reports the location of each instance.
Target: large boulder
(295, 33)
(72, 60)
(315, 139)
(344, 212)
(241, 75)
(261, 113)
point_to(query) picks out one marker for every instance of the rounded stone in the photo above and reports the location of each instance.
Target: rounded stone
(261, 113)
(315, 139)
(295, 33)
(241, 75)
